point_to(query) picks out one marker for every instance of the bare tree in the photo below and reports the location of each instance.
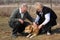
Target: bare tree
(51, 3)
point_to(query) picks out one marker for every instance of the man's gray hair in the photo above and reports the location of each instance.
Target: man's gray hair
(24, 5)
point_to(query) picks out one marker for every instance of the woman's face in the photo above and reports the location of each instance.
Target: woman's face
(38, 8)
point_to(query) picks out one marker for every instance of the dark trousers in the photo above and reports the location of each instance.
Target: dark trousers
(18, 27)
(46, 28)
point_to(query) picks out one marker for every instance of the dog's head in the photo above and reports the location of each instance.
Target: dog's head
(28, 29)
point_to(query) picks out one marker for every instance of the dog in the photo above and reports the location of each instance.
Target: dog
(32, 30)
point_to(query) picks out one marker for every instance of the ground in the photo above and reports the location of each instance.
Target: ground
(5, 30)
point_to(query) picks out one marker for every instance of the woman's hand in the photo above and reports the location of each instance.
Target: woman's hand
(34, 24)
(40, 26)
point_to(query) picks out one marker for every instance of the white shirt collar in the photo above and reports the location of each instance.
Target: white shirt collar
(22, 14)
(20, 11)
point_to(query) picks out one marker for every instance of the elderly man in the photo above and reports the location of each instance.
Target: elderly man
(46, 18)
(17, 19)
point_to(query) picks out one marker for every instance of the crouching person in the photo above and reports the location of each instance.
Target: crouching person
(46, 18)
(17, 19)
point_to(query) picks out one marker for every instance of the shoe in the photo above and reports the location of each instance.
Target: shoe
(14, 35)
(48, 33)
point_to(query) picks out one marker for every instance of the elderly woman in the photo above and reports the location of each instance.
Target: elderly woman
(17, 19)
(46, 18)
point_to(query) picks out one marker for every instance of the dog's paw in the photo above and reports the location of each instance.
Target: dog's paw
(31, 36)
(28, 35)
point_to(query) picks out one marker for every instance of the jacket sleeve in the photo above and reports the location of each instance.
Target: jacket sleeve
(13, 15)
(37, 19)
(30, 18)
(47, 19)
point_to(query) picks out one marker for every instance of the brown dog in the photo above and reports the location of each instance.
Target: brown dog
(33, 31)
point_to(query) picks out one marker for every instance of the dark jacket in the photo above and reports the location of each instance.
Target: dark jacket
(53, 16)
(16, 15)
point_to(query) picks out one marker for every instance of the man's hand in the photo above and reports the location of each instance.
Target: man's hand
(20, 20)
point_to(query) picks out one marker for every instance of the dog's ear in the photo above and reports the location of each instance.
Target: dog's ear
(32, 26)
(28, 27)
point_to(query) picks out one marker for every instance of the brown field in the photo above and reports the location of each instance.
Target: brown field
(5, 30)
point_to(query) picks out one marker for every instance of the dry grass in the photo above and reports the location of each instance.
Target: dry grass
(5, 30)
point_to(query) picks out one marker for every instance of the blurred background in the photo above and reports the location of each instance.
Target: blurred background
(7, 7)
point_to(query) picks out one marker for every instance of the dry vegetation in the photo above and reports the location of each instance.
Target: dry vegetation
(5, 30)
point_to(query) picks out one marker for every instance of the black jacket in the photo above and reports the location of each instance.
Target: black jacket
(16, 15)
(53, 16)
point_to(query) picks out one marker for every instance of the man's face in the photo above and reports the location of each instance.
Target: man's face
(23, 9)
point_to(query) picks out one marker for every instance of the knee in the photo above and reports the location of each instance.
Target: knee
(14, 24)
(18, 23)
(11, 24)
